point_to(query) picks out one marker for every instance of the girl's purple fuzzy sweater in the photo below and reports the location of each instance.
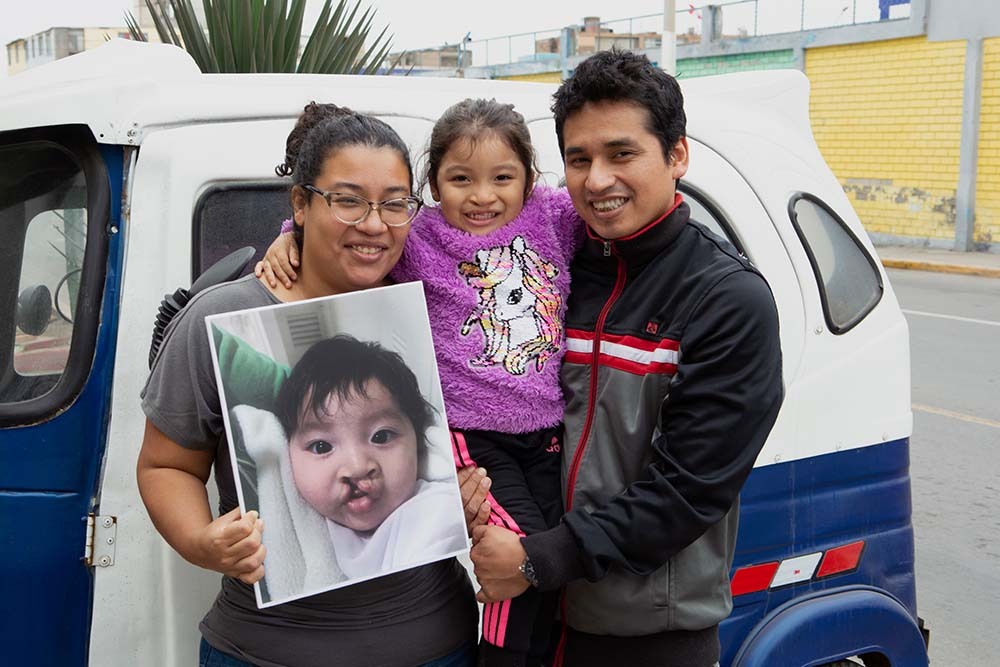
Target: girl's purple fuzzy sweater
(497, 304)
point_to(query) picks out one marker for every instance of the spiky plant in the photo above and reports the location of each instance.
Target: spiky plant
(264, 36)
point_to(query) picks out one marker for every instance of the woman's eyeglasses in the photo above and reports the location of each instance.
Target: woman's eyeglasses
(353, 210)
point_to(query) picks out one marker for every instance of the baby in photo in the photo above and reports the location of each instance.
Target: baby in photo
(357, 428)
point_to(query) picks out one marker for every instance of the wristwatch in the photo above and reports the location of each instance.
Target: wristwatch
(528, 570)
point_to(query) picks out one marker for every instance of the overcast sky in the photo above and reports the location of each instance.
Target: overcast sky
(415, 23)
(423, 23)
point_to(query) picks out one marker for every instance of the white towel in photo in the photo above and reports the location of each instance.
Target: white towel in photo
(416, 532)
(300, 556)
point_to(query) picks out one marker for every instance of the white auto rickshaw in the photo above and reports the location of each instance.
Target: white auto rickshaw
(125, 173)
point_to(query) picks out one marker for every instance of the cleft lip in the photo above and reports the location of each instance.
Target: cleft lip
(355, 489)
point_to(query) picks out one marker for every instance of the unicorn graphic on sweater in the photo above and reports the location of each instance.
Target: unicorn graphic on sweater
(517, 307)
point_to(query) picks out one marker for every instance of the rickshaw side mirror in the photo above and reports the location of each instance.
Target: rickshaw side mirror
(34, 309)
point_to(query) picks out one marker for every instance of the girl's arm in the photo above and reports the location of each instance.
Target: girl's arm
(474, 486)
(281, 259)
(172, 485)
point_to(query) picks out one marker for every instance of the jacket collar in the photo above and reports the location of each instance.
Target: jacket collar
(638, 248)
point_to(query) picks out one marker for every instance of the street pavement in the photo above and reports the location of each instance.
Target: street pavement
(955, 459)
(947, 261)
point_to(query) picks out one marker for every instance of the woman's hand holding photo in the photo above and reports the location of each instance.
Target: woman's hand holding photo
(232, 545)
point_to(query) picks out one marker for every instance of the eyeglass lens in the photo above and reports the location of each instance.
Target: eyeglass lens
(353, 210)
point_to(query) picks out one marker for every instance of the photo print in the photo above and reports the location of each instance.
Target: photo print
(338, 438)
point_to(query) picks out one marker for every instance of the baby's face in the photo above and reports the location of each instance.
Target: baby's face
(356, 462)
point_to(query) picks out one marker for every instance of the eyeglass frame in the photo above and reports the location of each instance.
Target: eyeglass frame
(372, 206)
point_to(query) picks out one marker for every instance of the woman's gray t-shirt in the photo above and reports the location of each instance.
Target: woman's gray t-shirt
(404, 619)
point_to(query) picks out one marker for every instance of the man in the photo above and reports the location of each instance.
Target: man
(673, 381)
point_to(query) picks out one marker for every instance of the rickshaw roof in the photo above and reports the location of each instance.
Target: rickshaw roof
(124, 89)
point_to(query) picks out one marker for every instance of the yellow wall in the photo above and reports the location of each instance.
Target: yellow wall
(887, 117)
(544, 77)
(987, 229)
(94, 37)
(17, 56)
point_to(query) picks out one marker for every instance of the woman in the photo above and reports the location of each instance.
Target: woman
(425, 616)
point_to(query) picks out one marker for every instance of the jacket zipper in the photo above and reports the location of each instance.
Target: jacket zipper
(595, 356)
(578, 454)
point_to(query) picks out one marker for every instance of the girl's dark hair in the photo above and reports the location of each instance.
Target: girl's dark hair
(341, 366)
(623, 76)
(312, 115)
(471, 119)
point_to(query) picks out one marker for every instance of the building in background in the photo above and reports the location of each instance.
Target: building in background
(59, 42)
(445, 59)
(55, 43)
(591, 37)
(17, 56)
(904, 103)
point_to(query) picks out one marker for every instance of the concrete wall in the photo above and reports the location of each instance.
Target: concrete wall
(17, 56)
(962, 19)
(94, 37)
(987, 228)
(694, 67)
(887, 117)
(540, 77)
(739, 62)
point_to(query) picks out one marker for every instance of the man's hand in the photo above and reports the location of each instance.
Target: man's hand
(497, 554)
(474, 486)
(232, 545)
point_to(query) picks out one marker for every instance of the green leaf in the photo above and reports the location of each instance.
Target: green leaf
(227, 48)
(309, 51)
(264, 36)
(293, 35)
(171, 35)
(319, 37)
(338, 58)
(194, 39)
(133, 28)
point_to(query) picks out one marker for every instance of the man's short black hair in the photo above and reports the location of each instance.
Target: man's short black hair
(623, 76)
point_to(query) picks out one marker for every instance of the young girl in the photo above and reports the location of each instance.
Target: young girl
(494, 259)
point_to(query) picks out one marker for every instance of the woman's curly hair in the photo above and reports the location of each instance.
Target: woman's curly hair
(312, 115)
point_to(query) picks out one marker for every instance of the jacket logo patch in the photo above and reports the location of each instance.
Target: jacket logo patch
(652, 327)
(517, 307)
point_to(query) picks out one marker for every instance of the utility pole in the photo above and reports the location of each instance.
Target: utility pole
(668, 45)
(463, 49)
(965, 196)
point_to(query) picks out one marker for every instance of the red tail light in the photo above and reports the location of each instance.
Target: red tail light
(753, 578)
(840, 559)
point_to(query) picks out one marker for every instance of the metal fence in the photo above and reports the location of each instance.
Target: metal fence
(522, 47)
(740, 19)
(755, 18)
